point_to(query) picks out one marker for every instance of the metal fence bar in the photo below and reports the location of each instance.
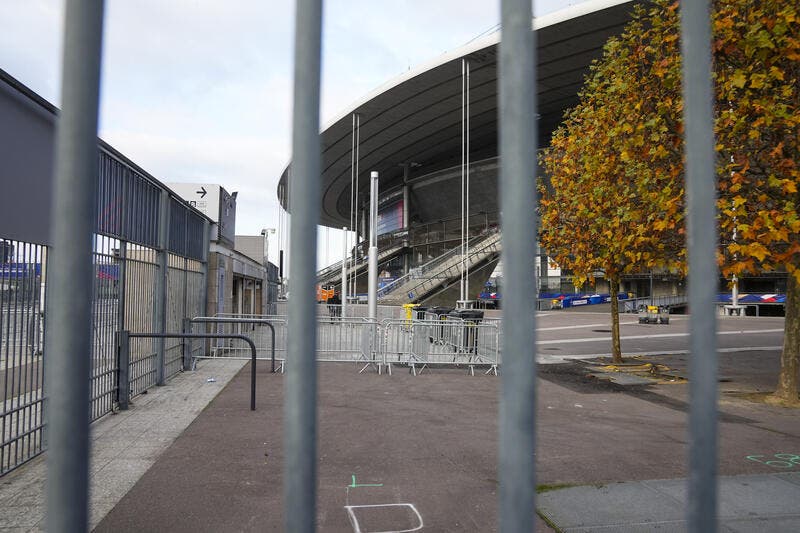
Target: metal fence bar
(517, 180)
(123, 376)
(703, 275)
(21, 368)
(300, 412)
(70, 285)
(127, 335)
(160, 315)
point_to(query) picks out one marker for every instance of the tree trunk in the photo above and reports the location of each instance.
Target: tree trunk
(616, 350)
(786, 391)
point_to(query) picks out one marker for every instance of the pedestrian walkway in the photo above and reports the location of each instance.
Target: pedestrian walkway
(395, 451)
(754, 503)
(124, 446)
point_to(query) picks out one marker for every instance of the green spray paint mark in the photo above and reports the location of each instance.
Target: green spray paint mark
(354, 485)
(781, 460)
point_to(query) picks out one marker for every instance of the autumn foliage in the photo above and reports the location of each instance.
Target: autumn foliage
(615, 197)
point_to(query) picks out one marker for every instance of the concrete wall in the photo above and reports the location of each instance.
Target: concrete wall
(251, 246)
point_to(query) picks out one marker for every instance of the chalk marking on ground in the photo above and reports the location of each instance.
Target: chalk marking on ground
(354, 485)
(357, 529)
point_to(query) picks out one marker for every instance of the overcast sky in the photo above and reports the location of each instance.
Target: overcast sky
(200, 90)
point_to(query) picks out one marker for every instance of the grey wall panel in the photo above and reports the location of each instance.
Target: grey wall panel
(27, 136)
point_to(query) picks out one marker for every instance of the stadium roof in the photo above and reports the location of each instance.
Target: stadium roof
(415, 119)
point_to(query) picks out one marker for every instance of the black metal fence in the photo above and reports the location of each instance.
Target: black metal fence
(144, 235)
(21, 342)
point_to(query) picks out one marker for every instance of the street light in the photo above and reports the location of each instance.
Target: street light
(266, 289)
(265, 232)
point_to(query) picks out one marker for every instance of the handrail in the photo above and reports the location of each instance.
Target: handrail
(335, 269)
(124, 346)
(631, 305)
(483, 242)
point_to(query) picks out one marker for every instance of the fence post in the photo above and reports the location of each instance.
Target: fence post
(160, 315)
(300, 405)
(67, 368)
(206, 243)
(123, 374)
(187, 344)
(517, 137)
(703, 273)
(122, 282)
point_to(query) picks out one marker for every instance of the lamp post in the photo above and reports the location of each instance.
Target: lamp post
(265, 232)
(265, 293)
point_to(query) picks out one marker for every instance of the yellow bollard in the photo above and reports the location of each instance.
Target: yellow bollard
(409, 311)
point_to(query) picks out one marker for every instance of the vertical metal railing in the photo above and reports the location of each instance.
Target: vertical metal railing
(21, 399)
(703, 274)
(300, 410)
(67, 372)
(517, 179)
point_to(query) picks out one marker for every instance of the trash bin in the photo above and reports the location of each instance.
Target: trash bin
(642, 313)
(419, 312)
(471, 318)
(652, 314)
(663, 315)
(441, 313)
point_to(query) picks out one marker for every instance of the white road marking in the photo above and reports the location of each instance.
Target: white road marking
(556, 358)
(357, 528)
(604, 324)
(657, 336)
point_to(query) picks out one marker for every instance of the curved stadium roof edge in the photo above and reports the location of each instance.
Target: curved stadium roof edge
(415, 118)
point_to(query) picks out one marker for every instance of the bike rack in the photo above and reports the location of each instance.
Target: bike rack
(124, 392)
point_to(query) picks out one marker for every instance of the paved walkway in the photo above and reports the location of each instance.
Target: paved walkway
(124, 446)
(425, 446)
(429, 442)
(747, 504)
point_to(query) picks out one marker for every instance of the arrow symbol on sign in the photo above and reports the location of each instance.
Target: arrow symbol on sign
(202, 192)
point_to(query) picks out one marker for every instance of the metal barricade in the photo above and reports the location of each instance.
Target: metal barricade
(435, 340)
(358, 310)
(453, 342)
(338, 339)
(261, 329)
(347, 340)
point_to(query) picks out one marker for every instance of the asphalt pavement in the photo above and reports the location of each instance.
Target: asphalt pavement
(399, 451)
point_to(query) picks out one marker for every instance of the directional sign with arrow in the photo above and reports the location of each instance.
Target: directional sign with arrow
(205, 197)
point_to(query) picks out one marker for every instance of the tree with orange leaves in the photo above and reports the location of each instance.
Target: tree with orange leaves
(637, 138)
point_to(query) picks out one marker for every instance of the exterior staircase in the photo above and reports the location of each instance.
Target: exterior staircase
(429, 277)
(332, 274)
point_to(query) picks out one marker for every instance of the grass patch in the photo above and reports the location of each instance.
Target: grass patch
(548, 487)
